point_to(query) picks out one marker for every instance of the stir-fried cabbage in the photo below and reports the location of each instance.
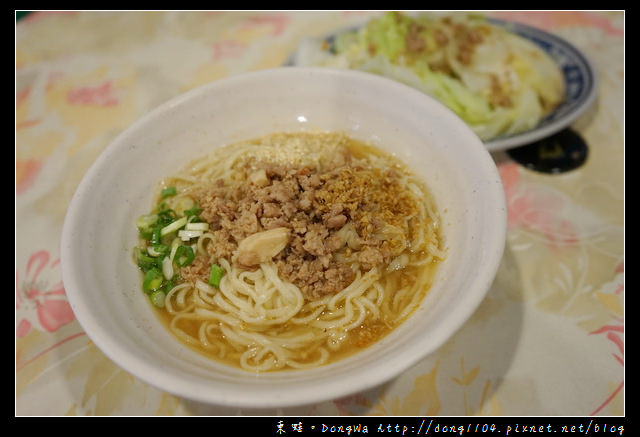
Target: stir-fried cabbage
(497, 81)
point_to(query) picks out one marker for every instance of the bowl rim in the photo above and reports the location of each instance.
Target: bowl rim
(377, 373)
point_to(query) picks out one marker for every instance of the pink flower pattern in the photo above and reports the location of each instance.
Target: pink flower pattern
(536, 210)
(103, 94)
(227, 49)
(39, 304)
(277, 22)
(615, 334)
(614, 331)
(355, 400)
(26, 173)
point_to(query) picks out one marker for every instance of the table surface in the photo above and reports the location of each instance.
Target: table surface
(549, 337)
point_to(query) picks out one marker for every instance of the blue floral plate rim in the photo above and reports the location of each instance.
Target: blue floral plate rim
(580, 85)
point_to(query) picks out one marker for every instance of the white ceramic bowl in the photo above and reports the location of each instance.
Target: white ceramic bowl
(103, 284)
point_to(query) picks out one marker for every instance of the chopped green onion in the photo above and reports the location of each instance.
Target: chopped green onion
(145, 234)
(193, 211)
(145, 225)
(162, 206)
(167, 267)
(144, 261)
(166, 215)
(145, 222)
(156, 236)
(183, 203)
(157, 298)
(168, 285)
(158, 250)
(152, 280)
(202, 226)
(174, 247)
(184, 256)
(173, 226)
(169, 191)
(186, 235)
(215, 275)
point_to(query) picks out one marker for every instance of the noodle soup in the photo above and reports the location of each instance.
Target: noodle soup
(288, 251)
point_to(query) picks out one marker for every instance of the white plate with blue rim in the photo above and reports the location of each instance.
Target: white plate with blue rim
(580, 86)
(579, 77)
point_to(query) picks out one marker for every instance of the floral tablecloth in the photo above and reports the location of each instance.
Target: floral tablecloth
(547, 340)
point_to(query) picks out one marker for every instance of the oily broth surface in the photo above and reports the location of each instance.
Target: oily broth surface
(367, 334)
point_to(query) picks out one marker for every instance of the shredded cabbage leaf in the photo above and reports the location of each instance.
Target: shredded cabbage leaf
(496, 81)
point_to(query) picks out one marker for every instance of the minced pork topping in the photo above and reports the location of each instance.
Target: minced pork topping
(336, 217)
